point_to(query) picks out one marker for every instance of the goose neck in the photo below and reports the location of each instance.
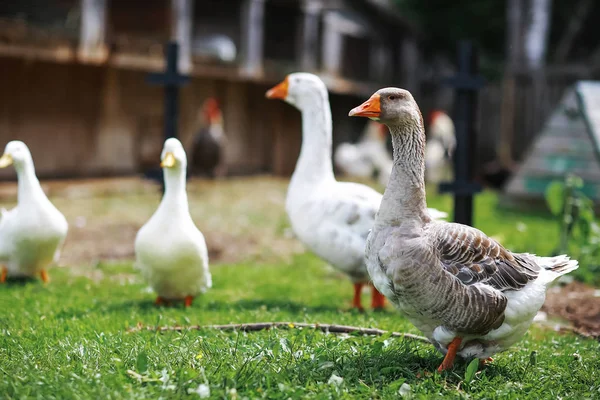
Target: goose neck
(404, 197)
(314, 163)
(29, 189)
(175, 196)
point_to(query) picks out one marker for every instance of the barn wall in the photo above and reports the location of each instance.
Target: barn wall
(54, 109)
(88, 121)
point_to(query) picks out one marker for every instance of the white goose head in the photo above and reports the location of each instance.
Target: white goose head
(16, 153)
(300, 89)
(173, 156)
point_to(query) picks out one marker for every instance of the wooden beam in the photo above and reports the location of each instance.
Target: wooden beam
(379, 61)
(310, 34)
(92, 41)
(332, 49)
(181, 24)
(514, 33)
(409, 60)
(253, 15)
(573, 28)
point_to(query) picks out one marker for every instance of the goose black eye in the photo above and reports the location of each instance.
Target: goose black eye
(392, 97)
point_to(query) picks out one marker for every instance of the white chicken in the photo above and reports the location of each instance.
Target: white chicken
(441, 142)
(367, 157)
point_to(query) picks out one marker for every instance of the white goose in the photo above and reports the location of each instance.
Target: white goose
(32, 233)
(331, 218)
(170, 251)
(468, 294)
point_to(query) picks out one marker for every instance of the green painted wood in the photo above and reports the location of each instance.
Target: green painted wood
(568, 144)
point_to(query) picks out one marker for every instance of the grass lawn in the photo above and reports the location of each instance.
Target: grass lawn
(70, 339)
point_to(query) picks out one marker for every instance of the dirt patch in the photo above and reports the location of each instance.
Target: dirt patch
(241, 219)
(577, 303)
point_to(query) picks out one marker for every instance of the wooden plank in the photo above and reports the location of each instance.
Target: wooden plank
(380, 59)
(182, 26)
(555, 144)
(310, 34)
(589, 101)
(331, 53)
(92, 42)
(253, 13)
(409, 60)
(535, 187)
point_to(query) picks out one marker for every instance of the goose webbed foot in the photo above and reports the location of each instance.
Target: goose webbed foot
(450, 355)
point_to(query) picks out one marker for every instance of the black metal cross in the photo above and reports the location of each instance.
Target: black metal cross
(171, 79)
(467, 83)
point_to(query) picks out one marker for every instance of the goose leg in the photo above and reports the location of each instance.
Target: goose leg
(377, 299)
(44, 276)
(450, 354)
(188, 301)
(356, 303)
(3, 274)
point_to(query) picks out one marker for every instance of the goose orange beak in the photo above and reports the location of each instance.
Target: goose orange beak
(169, 161)
(280, 91)
(370, 108)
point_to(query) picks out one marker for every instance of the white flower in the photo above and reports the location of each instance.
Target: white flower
(203, 390)
(335, 380)
(405, 390)
(233, 393)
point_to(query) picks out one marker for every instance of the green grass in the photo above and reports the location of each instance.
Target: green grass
(69, 339)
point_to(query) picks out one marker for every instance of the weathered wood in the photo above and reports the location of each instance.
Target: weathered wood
(253, 13)
(379, 62)
(467, 83)
(181, 31)
(92, 42)
(331, 54)
(569, 143)
(573, 28)
(409, 61)
(536, 32)
(114, 127)
(310, 34)
(514, 33)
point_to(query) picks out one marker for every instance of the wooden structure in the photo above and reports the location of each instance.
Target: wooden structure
(73, 81)
(467, 85)
(568, 144)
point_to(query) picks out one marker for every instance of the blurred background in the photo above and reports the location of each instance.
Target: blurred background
(74, 73)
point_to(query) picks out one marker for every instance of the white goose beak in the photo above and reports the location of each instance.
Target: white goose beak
(5, 160)
(169, 161)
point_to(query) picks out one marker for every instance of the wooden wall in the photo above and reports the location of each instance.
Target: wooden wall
(89, 121)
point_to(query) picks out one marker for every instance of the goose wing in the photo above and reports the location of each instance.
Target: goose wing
(472, 257)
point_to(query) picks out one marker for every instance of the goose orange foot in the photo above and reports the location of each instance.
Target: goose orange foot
(450, 355)
(160, 301)
(356, 302)
(377, 300)
(44, 275)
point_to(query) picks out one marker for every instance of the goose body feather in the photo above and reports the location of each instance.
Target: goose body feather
(32, 233)
(170, 250)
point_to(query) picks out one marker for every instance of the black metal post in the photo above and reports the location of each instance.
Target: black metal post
(467, 84)
(171, 80)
